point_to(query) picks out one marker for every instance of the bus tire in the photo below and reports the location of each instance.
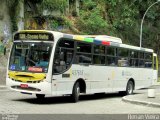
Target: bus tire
(129, 88)
(40, 96)
(75, 93)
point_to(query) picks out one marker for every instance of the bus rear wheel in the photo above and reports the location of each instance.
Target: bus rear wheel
(40, 96)
(75, 93)
(129, 88)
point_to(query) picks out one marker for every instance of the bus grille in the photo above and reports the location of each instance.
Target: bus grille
(28, 81)
(28, 89)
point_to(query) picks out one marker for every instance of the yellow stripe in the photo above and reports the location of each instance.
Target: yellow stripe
(25, 76)
(156, 62)
(78, 37)
(152, 61)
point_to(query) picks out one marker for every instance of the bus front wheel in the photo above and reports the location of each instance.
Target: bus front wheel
(75, 93)
(40, 96)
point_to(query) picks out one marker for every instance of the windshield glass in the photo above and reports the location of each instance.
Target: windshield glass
(30, 57)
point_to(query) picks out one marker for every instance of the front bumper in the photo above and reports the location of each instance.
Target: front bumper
(43, 87)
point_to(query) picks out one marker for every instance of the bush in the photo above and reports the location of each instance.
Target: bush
(54, 24)
(52, 5)
(92, 22)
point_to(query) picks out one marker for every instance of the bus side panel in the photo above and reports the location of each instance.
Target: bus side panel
(63, 83)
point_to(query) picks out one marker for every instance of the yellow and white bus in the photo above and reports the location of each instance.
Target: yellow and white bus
(52, 63)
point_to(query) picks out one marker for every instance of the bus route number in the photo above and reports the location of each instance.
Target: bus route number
(77, 72)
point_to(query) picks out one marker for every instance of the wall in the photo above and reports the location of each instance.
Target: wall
(5, 34)
(5, 24)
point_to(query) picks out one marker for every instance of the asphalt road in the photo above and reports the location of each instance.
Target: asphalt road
(16, 103)
(3, 75)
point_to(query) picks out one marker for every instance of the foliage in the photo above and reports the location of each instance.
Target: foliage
(52, 5)
(121, 18)
(54, 24)
(89, 5)
(125, 16)
(91, 21)
(14, 8)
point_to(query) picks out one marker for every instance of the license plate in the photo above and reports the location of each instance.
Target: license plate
(24, 86)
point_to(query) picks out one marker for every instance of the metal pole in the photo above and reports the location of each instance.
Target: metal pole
(143, 20)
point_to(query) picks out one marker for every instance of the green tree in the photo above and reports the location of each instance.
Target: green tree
(14, 8)
(52, 5)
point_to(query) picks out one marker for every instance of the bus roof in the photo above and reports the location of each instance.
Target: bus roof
(105, 40)
(97, 39)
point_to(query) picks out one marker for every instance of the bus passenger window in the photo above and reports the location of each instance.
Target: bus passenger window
(123, 62)
(99, 49)
(133, 62)
(148, 60)
(83, 47)
(141, 63)
(84, 58)
(63, 55)
(148, 64)
(62, 60)
(111, 61)
(111, 51)
(98, 59)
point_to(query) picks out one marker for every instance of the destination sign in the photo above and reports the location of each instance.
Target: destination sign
(33, 36)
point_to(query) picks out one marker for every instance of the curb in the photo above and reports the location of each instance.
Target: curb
(149, 104)
(157, 83)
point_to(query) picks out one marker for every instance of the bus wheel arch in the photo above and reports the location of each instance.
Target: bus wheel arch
(82, 85)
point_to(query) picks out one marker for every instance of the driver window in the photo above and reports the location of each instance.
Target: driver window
(63, 55)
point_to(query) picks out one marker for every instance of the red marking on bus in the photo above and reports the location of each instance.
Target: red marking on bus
(35, 69)
(106, 43)
(24, 86)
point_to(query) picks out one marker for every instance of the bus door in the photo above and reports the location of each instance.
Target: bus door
(155, 68)
(61, 82)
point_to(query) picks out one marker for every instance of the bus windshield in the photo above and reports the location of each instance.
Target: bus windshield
(30, 57)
